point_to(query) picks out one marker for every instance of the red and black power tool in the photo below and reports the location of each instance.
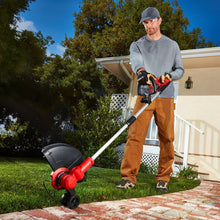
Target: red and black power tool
(67, 163)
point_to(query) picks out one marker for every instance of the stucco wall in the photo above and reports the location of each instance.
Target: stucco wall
(201, 106)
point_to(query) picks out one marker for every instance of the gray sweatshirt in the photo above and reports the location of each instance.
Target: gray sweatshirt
(158, 57)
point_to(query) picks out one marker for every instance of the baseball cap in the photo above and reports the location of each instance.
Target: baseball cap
(149, 14)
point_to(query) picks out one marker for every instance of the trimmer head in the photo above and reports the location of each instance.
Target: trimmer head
(62, 155)
(68, 170)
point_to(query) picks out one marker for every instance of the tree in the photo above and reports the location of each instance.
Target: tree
(20, 53)
(12, 127)
(95, 16)
(71, 81)
(9, 39)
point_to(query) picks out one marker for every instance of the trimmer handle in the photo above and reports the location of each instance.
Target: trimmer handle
(153, 86)
(161, 86)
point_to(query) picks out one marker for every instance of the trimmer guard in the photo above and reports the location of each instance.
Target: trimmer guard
(62, 155)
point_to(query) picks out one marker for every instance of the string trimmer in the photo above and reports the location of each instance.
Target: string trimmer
(67, 162)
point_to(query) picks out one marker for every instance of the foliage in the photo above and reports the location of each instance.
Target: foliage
(145, 168)
(94, 129)
(20, 51)
(116, 40)
(22, 185)
(20, 138)
(70, 81)
(95, 16)
(21, 95)
(27, 143)
(11, 128)
(33, 104)
(187, 173)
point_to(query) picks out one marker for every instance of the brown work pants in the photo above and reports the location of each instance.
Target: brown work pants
(163, 110)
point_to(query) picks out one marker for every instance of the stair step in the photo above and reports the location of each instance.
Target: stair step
(181, 163)
(177, 155)
(202, 175)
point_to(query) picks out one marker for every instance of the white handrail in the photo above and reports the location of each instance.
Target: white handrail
(187, 125)
(191, 125)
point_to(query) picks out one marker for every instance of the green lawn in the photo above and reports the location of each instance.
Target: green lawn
(22, 185)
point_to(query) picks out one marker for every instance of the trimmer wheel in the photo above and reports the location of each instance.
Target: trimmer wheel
(73, 202)
(64, 198)
(70, 199)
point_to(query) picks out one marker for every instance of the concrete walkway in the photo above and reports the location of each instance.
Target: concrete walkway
(202, 202)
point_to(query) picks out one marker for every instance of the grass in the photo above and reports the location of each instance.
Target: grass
(22, 185)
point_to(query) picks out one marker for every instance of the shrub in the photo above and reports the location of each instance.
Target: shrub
(26, 144)
(19, 138)
(144, 168)
(94, 129)
(187, 173)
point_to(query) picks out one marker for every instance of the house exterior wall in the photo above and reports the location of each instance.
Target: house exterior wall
(201, 106)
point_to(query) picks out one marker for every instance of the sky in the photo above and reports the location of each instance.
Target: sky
(55, 18)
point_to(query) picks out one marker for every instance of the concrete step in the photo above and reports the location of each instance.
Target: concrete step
(206, 165)
(178, 161)
(202, 175)
(189, 164)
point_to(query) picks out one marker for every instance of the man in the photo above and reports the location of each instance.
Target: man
(152, 56)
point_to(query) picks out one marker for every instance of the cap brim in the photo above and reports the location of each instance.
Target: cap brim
(147, 18)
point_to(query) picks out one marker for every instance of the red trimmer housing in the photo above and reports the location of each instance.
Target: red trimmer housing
(64, 178)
